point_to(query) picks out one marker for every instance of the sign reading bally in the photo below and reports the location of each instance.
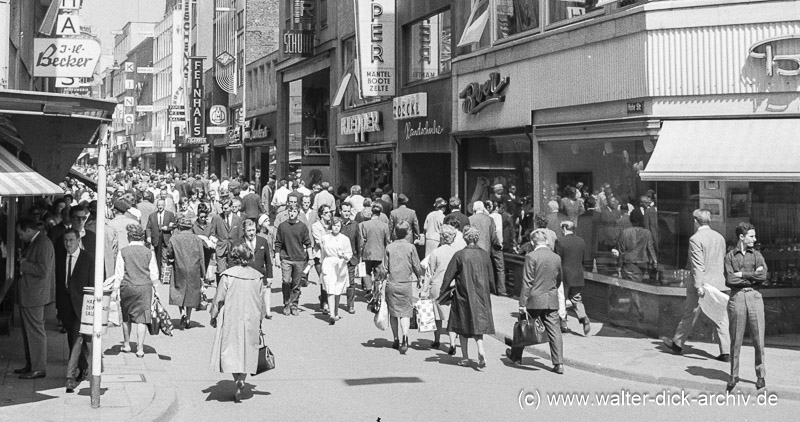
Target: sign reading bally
(196, 112)
(375, 26)
(65, 57)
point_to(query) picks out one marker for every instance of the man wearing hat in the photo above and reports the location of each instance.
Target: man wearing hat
(403, 213)
(433, 225)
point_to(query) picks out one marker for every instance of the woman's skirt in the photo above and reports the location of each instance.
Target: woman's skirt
(400, 299)
(135, 302)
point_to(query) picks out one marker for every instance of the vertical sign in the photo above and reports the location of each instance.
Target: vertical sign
(196, 112)
(298, 38)
(375, 26)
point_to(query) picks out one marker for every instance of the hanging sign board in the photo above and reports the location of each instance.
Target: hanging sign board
(375, 26)
(196, 112)
(65, 57)
(68, 25)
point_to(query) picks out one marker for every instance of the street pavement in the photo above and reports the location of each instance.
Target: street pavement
(350, 372)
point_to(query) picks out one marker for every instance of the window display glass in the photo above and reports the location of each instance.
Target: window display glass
(515, 16)
(560, 10)
(430, 40)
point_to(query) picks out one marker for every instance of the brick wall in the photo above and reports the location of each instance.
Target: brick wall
(262, 29)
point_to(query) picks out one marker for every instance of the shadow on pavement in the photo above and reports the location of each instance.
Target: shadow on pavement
(378, 343)
(382, 380)
(712, 374)
(86, 392)
(224, 391)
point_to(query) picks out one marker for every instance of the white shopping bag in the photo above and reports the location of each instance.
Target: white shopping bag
(426, 318)
(714, 304)
(562, 304)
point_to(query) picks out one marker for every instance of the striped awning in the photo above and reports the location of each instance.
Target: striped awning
(17, 179)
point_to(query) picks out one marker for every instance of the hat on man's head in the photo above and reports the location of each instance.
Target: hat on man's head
(402, 199)
(121, 206)
(439, 203)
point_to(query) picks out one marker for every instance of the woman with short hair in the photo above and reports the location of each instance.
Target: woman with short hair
(403, 268)
(335, 252)
(135, 275)
(236, 314)
(438, 261)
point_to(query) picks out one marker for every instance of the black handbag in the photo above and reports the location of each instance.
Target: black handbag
(154, 327)
(528, 332)
(266, 360)
(413, 323)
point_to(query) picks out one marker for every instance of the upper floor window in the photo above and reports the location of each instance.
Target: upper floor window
(323, 13)
(430, 40)
(560, 10)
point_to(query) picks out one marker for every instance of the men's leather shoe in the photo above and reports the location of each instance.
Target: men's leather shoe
(81, 377)
(587, 326)
(515, 361)
(71, 384)
(674, 347)
(396, 344)
(24, 370)
(731, 384)
(724, 357)
(559, 369)
(33, 375)
(268, 317)
(760, 384)
(287, 311)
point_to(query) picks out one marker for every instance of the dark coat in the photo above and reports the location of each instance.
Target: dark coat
(37, 283)
(403, 213)
(186, 249)
(226, 235)
(158, 237)
(457, 215)
(541, 277)
(351, 230)
(373, 238)
(588, 223)
(488, 234)
(251, 205)
(571, 249)
(69, 302)
(262, 257)
(471, 313)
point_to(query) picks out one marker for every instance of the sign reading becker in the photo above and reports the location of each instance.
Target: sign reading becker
(65, 57)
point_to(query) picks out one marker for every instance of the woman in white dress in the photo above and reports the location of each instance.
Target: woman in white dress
(335, 252)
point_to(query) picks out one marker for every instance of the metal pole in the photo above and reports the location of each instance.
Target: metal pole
(5, 25)
(99, 266)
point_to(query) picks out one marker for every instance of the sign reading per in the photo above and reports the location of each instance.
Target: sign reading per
(65, 57)
(375, 24)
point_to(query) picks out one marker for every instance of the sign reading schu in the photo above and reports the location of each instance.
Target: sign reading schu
(65, 57)
(410, 106)
(196, 112)
(375, 26)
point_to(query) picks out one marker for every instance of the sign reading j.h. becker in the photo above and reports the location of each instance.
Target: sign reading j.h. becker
(65, 57)
(375, 26)
(478, 96)
(410, 106)
(360, 123)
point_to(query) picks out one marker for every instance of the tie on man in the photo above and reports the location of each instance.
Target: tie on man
(69, 271)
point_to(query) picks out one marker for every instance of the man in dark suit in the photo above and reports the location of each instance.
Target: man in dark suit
(36, 289)
(74, 271)
(539, 297)
(350, 229)
(250, 203)
(78, 215)
(403, 213)
(588, 222)
(571, 250)
(262, 261)
(490, 243)
(159, 228)
(227, 228)
(373, 238)
(456, 214)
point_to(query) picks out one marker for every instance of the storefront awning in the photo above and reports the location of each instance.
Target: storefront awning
(17, 179)
(735, 150)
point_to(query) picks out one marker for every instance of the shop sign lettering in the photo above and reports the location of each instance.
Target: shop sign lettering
(360, 123)
(410, 106)
(187, 32)
(428, 129)
(65, 57)
(375, 37)
(196, 111)
(479, 96)
(770, 51)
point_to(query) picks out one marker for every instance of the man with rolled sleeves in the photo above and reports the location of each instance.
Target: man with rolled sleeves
(745, 272)
(539, 297)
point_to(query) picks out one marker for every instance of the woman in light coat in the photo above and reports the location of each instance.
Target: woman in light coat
(437, 263)
(433, 225)
(236, 314)
(335, 252)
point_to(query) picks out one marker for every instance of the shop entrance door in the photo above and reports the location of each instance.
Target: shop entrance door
(373, 171)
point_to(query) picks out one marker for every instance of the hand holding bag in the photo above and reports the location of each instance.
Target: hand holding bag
(382, 317)
(528, 332)
(266, 360)
(426, 318)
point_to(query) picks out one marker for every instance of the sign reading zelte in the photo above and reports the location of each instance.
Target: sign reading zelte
(360, 123)
(410, 106)
(65, 57)
(787, 64)
(196, 112)
(478, 96)
(375, 26)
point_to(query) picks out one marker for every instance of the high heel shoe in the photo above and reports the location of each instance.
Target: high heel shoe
(451, 351)
(481, 361)
(237, 397)
(404, 346)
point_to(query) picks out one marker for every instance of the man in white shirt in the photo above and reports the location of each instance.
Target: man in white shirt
(323, 197)
(280, 197)
(302, 188)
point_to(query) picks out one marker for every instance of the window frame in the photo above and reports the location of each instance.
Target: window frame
(406, 42)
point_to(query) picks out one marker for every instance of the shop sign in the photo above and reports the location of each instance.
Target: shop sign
(187, 31)
(196, 112)
(147, 108)
(144, 70)
(70, 4)
(769, 50)
(428, 129)
(218, 115)
(195, 141)
(636, 107)
(65, 57)
(375, 26)
(67, 24)
(144, 144)
(298, 42)
(177, 113)
(80, 91)
(479, 96)
(360, 123)
(217, 130)
(410, 106)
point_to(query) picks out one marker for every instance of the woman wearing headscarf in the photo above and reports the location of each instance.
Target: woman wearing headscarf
(433, 225)
(471, 312)
(438, 261)
(135, 275)
(402, 266)
(236, 314)
(335, 252)
(185, 249)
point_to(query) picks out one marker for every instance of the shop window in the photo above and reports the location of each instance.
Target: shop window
(774, 210)
(515, 16)
(609, 193)
(561, 10)
(499, 169)
(430, 41)
(323, 14)
(352, 96)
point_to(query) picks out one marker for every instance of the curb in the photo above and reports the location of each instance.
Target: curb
(783, 392)
(162, 408)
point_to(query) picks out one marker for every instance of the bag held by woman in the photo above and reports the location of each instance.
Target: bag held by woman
(528, 332)
(426, 318)
(266, 360)
(164, 321)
